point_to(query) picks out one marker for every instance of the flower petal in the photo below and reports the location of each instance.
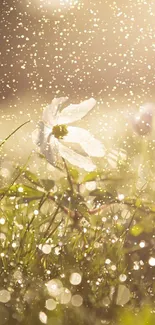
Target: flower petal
(36, 136)
(47, 143)
(75, 112)
(40, 135)
(50, 112)
(52, 152)
(75, 158)
(91, 146)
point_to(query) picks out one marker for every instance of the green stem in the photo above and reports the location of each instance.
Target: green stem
(68, 176)
(19, 127)
(56, 227)
(52, 220)
(18, 175)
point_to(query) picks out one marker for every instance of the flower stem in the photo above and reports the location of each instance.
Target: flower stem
(15, 179)
(68, 176)
(13, 132)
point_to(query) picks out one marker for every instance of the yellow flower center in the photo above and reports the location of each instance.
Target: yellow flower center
(59, 131)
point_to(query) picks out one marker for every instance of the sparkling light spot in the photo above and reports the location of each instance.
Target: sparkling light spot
(122, 277)
(152, 261)
(36, 212)
(75, 278)
(136, 266)
(50, 304)
(65, 296)
(17, 275)
(2, 221)
(43, 317)
(2, 237)
(14, 244)
(107, 261)
(20, 189)
(57, 250)
(121, 197)
(142, 244)
(54, 287)
(113, 267)
(46, 249)
(5, 172)
(4, 296)
(77, 300)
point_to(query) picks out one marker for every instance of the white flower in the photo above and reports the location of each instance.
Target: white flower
(54, 133)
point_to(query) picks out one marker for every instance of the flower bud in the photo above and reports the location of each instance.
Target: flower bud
(142, 122)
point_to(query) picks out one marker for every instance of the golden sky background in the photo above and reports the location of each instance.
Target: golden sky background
(99, 48)
(104, 49)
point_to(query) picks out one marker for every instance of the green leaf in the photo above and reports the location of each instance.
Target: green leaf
(97, 192)
(102, 195)
(74, 173)
(90, 177)
(138, 203)
(3, 191)
(48, 184)
(31, 177)
(82, 208)
(136, 230)
(29, 199)
(152, 208)
(95, 220)
(76, 201)
(21, 190)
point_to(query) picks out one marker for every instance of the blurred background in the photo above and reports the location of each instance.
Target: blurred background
(76, 48)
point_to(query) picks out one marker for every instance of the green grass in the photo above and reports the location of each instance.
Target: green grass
(51, 229)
